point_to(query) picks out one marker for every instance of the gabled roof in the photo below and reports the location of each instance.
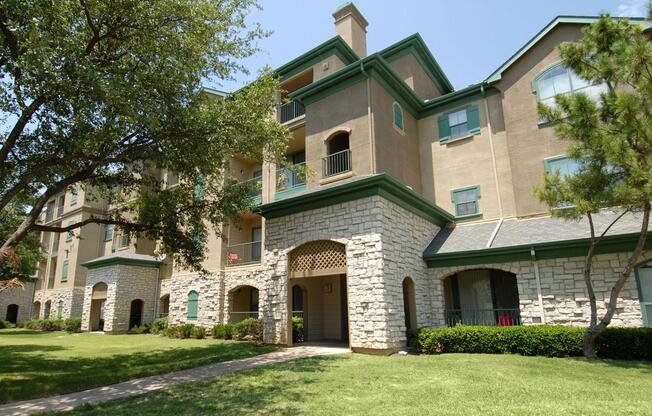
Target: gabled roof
(333, 46)
(582, 20)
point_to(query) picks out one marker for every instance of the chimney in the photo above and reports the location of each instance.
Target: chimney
(351, 25)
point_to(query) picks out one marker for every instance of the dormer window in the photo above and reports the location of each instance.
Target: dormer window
(398, 116)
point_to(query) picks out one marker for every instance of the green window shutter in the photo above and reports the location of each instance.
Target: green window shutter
(199, 188)
(64, 271)
(444, 129)
(193, 305)
(60, 309)
(473, 119)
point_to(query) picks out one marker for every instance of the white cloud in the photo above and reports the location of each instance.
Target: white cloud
(633, 8)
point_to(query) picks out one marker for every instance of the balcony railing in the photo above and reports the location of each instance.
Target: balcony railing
(245, 253)
(235, 317)
(49, 214)
(256, 185)
(290, 111)
(483, 317)
(336, 163)
(290, 180)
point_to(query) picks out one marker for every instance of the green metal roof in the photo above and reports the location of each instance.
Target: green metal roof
(333, 46)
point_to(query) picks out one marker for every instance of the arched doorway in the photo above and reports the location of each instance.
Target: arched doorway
(98, 299)
(164, 306)
(482, 297)
(36, 310)
(317, 275)
(12, 313)
(136, 313)
(409, 304)
(338, 159)
(46, 310)
(299, 313)
(243, 303)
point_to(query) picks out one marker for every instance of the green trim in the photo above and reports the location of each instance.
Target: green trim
(279, 195)
(541, 251)
(381, 184)
(415, 45)
(457, 99)
(583, 20)
(334, 46)
(213, 91)
(549, 160)
(477, 201)
(112, 261)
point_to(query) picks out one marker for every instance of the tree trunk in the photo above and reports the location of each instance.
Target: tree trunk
(588, 342)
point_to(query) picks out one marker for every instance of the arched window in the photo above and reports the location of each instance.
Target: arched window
(193, 305)
(60, 309)
(560, 80)
(398, 116)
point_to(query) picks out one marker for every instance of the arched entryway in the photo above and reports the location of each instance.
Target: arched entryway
(12, 313)
(136, 313)
(482, 297)
(98, 299)
(317, 274)
(338, 159)
(36, 310)
(46, 310)
(164, 306)
(243, 303)
(409, 304)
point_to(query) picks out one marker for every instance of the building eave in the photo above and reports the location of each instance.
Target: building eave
(334, 46)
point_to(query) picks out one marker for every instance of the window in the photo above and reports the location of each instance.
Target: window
(64, 271)
(123, 241)
(562, 165)
(70, 233)
(73, 195)
(398, 116)
(108, 232)
(199, 188)
(60, 205)
(560, 80)
(193, 305)
(466, 201)
(60, 309)
(460, 123)
(171, 179)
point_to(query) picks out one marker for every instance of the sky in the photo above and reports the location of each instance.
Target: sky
(468, 38)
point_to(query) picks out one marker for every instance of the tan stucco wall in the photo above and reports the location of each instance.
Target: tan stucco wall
(397, 153)
(326, 67)
(345, 110)
(408, 68)
(467, 162)
(528, 143)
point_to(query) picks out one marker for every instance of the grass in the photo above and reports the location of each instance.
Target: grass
(38, 364)
(452, 384)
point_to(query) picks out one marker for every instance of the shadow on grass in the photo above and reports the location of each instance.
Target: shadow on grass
(646, 366)
(4, 332)
(255, 392)
(26, 371)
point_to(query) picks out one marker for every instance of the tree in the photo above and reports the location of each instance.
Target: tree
(106, 94)
(611, 138)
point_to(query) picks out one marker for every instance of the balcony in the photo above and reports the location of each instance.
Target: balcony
(336, 163)
(243, 254)
(235, 317)
(256, 185)
(290, 181)
(483, 317)
(291, 110)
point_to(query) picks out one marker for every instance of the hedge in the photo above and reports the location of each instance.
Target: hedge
(543, 340)
(43, 324)
(250, 329)
(222, 331)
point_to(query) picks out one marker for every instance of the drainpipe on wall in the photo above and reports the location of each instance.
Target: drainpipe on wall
(370, 120)
(158, 292)
(537, 278)
(493, 153)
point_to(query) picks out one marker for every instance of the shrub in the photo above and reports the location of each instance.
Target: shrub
(44, 324)
(138, 330)
(7, 324)
(250, 329)
(171, 332)
(297, 329)
(218, 331)
(185, 330)
(545, 340)
(625, 344)
(198, 332)
(159, 325)
(71, 325)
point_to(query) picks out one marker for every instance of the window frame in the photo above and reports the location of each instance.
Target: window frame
(395, 106)
(471, 129)
(73, 195)
(64, 271)
(109, 228)
(456, 191)
(70, 234)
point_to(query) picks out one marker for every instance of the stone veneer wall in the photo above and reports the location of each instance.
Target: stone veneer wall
(208, 288)
(21, 296)
(73, 301)
(124, 284)
(565, 300)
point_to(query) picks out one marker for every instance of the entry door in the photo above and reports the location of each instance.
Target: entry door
(12, 313)
(644, 277)
(136, 315)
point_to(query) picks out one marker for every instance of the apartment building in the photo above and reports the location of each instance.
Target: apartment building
(416, 209)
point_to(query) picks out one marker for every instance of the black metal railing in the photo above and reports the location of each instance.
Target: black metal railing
(336, 163)
(483, 317)
(290, 111)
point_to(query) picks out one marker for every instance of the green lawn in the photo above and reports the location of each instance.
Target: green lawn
(453, 384)
(37, 364)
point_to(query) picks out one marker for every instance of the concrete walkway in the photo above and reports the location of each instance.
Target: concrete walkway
(143, 385)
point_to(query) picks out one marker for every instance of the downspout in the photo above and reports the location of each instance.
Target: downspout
(493, 153)
(537, 278)
(372, 136)
(158, 292)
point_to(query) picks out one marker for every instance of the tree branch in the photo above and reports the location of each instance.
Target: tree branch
(15, 133)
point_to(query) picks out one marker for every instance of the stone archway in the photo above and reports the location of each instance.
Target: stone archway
(136, 313)
(98, 300)
(409, 304)
(12, 313)
(319, 268)
(244, 302)
(46, 310)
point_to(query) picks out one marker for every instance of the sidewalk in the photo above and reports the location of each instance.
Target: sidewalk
(144, 385)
